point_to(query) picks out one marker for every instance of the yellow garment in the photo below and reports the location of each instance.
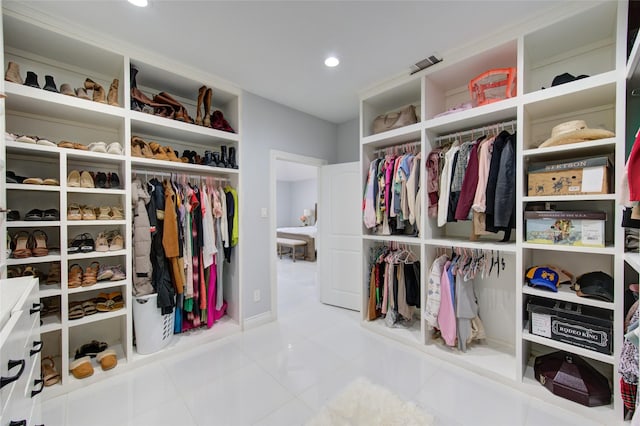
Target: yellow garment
(234, 232)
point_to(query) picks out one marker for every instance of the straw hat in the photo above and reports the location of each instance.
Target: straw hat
(573, 132)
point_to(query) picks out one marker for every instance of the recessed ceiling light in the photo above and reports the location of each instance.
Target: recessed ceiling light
(139, 3)
(331, 61)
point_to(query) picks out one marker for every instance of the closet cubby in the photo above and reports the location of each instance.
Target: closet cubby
(386, 101)
(555, 49)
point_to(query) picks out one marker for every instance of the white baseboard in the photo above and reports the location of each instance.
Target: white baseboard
(257, 320)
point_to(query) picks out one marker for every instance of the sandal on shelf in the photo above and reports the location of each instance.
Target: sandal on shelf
(117, 302)
(74, 212)
(90, 276)
(76, 243)
(65, 144)
(51, 214)
(40, 243)
(54, 274)
(102, 302)
(117, 213)
(75, 310)
(107, 359)
(73, 179)
(34, 214)
(75, 276)
(81, 147)
(33, 181)
(118, 274)
(103, 213)
(102, 243)
(86, 243)
(31, 271)
(91, 349)
(21, 245)
(81, 368)
(117, 242)
(14, 271)
(89, 307)
(88, 213)
(86, 180)
(49, 373)
(105, 273)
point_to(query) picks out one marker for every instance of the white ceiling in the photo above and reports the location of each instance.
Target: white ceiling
(276, 49)
(292, 172)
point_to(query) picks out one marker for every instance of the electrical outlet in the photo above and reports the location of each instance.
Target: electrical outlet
(256, 295)
(263, 212)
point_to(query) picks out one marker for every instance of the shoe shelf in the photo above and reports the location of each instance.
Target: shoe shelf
(582, 197)
(27, 187)
(164, 166)
(34, 259)
(96, 222)
(565, 294)
(607, 250)
(48, 290)
(33, 224)
(98, 316)
(74, 154)
(50, 323)
(100, 285)
(608, 359)
(97, 254)
(633, 259)
(147, 124)
(507, 247)
(98, 372)
(97, 190)
(580, 149)
(14, 147)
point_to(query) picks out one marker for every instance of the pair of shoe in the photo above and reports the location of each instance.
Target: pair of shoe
(81, 309)
(82, 368)
(72, 145)
(50, 375)
(26, 244)
(23, 271)
(109, 213)
(82, 243)
(41, 181)
(140, 148)
(82, 179)
(99, 93)
(165, 153)
(109, 241)
(54, 274)
(107, 180)
(109, 302)
(36, 140)
(112, 148)
(111, 273)
(37, 214)
(80, 212)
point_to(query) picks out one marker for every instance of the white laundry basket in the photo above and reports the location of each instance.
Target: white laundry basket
(153, 330)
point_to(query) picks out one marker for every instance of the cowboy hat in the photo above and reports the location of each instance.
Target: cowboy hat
(573, 132)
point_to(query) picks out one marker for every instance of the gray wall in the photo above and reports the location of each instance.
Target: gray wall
(267, 125)
(348, 141)
(304, 195)
(283, 204)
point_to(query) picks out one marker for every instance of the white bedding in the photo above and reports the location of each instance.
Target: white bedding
(310, 231)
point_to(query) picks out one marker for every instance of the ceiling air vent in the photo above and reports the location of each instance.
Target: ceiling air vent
(425, 63)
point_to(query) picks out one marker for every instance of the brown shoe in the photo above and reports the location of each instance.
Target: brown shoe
(98, 91)
(112, 97)
(66, 89)
(201, 93)
(82, 94)
(13, 73)
(207, 107)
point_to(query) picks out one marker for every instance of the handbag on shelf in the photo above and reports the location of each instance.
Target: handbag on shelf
(394, 120)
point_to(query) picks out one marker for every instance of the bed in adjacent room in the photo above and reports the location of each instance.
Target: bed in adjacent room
(304, 233)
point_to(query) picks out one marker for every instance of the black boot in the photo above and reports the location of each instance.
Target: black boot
(207, 160)
(49, 84)
(232, 158)
(133, 71)
(187, 154)
(223, 156)
(216, 159)
(32, 80)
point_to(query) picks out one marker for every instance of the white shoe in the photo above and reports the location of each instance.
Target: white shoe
(114, 148)
(98, 147)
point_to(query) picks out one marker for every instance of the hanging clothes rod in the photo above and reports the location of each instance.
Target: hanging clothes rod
(477, 131)
(394, 149)
(179, 174)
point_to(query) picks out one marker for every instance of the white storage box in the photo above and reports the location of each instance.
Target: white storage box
(153, 330)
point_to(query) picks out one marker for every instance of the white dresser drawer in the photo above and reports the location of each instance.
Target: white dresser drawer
(13, 364)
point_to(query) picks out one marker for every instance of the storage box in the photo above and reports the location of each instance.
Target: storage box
(573, 228)
(577, 325)
(581, 176)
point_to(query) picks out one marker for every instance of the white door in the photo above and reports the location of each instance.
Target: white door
(339, 226)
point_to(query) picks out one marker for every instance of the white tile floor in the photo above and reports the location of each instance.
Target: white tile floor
(281, 373)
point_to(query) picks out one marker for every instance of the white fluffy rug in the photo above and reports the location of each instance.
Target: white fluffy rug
(363, 403)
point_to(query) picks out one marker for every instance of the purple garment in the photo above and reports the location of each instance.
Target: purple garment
(469, 184)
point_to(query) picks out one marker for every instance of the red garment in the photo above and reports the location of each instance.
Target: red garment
(633, 170)
(469, 184)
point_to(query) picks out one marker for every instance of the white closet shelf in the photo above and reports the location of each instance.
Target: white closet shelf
(633, 259)
(474, 117)
(100, 157)
(395, 238)
(33, 259)
(164, 166)
(404, 134)
(39, 102)
(98, 316)
(609, 359)
(27, 187)
(580, 149)
(147, 124)
(633, 64)
(48, 290)
(581, 94)
(567, 295)
(610, 250)
(50, 323)
(509, 247)
(31, 148)
(97, 254)
(97, 190)
(33, 224)
(100, 285)
(581, 197)
(96, 222)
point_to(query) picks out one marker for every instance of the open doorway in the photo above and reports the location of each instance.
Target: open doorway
(295, 191)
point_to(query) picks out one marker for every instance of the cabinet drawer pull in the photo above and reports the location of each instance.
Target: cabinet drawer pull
(38, 344)
(18, 423)
(13, 364)
(37, 307)
(37, 382)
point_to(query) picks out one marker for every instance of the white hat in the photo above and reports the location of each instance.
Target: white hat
(573, 132)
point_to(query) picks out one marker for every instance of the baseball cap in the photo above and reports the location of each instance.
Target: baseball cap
(564, 276)
(566, 78)
(597, 285)
(540, 276)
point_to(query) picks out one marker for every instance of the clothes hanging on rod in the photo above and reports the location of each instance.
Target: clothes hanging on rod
(391, 195)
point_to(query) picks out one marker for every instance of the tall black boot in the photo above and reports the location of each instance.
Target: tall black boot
(216, 159)
(232, 158)
(133, 71)
(223, 156)
(49, 84)
(32, 80)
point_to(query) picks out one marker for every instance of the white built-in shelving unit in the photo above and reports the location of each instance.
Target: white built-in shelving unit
(539, 50)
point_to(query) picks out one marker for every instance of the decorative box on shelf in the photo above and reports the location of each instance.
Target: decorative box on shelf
(578, 325)
(573, 177)
(574, 228)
